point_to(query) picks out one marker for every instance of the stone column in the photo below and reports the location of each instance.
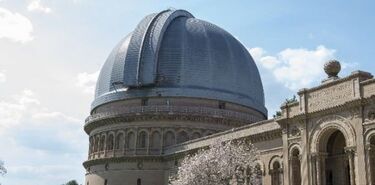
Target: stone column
(285, 162)
(161, 142)
(300, 169)
(136, 141)
(291, 180)
(368, 165)
(318, 170)
(124, 144)
(323, 168)
(149, 134)
(313, 169)
(105, 145)
(350, 154)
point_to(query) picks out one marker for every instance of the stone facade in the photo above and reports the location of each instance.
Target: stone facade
(326, 137)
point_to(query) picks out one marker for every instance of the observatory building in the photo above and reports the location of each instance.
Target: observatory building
(177, 83)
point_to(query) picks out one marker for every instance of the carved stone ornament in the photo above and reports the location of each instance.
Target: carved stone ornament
(140, 165)
(332, 68)
(294, 131)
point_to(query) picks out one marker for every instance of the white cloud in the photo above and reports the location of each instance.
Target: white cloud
(15, 26)
(2, 77)
(268, 62)
(36, 6)
(87, 81)
(295, 68)
(45, 115)
(55, 140)
(11, 112)
(26, 107)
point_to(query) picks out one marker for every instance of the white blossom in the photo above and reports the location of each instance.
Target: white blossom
(221, 164)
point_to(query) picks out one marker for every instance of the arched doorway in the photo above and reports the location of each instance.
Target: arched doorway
(333, 165)
(337, 165)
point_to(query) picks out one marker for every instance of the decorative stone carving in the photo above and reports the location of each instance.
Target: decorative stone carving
(140, 165)
(294, 132)
(332, 68)
(330, 96)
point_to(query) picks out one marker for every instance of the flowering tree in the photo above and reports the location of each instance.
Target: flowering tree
(3, 170)
(223, 163)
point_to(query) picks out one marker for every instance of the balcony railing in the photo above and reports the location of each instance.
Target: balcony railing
(182, 110)
(124, 152)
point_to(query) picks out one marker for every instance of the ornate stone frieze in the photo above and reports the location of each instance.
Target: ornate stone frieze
(265, 136)
(294, 131)
(330, 96)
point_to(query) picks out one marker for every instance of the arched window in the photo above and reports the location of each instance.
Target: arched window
(142, 139)
(91, 148)
(276, 173)
(102, 143)
(119, 141)
(196, 135)
(295, 167)
(139, 182)
(96, 146)
(169, 138)
(182, 137)
(110, 142)
(130, 141)
(155, 140)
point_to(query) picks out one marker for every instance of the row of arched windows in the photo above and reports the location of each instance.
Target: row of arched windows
(143, 140)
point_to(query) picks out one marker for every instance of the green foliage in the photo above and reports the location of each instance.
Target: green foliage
(291, 100)
(278, 114)
(72, 182)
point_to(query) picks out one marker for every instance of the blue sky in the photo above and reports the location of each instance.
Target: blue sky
(51, 51)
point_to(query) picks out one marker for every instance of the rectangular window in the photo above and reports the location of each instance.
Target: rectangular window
(144, 101)
(105, 182)
(221, 105)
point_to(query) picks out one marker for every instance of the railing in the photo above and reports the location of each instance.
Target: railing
(124, 152)
(165, 109)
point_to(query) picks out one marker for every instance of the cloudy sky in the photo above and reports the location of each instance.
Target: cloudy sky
(51, 52)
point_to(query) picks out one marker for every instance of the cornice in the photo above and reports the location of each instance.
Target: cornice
(324, 111)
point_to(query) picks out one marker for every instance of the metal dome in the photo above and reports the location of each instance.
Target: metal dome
(173, 54)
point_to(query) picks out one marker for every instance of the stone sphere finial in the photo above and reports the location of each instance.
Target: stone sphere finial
(332, 68)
